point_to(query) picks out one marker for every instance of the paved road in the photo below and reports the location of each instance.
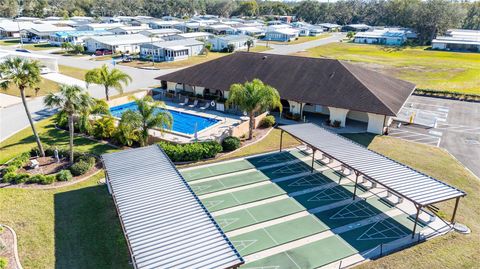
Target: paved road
(458, 128)
(289, 49)
(13, 118)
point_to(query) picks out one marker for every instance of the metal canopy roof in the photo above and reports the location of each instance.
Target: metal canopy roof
(398, 178)
(165, 224)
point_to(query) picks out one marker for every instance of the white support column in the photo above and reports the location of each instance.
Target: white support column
(375, 123)
(338, 114)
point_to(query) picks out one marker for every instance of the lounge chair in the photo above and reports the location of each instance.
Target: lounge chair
(195, 103)
(207, 105)
(184, 102)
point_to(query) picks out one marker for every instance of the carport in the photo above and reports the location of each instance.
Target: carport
(399, 179)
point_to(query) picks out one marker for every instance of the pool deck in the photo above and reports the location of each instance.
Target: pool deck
(214, 132)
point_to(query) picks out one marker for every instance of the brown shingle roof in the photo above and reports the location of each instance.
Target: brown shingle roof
(310, 80)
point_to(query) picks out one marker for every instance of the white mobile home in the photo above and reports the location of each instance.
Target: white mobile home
(221, 43)
(99, 26)
(117, 43)
(458, 39)
(127, 30)
(11, 29)
(173, 50)
(160, 32)
(42, 32)
(75, 37)
(281, 34)
(202, 36)
(382, 37)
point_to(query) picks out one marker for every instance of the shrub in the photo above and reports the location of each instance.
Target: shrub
(85, 158)
(3, 263)
(47, 180)
(267, 122)
(336, 124)
(80, 168)
(21, 178)
(9, 177)
(192, 151)
(64, 175)
(104, 127)
(230, 143)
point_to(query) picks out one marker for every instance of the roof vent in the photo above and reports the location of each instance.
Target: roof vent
(264, 57)
(332, 75)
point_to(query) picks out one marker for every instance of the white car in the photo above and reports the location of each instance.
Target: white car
(44, 70)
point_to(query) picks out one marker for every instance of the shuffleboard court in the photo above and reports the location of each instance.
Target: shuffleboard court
(227, 182)
(381, 232)
(276, 158)
(243, 164)
(215, 170)
(278, 234)
(353, 212)
(326, 196)
(304, 182)
(288, 170)
(246, 217)
(236, 198)
(312, 255)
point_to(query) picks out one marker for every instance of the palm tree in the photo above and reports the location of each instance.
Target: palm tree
(108, 78)
(23, 73)
(249, 43)
(150, 114)
(71, 100)
(254, 97)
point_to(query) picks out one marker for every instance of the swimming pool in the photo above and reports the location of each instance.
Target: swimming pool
(182, 122)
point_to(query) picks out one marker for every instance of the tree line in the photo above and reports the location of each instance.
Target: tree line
(428, 17)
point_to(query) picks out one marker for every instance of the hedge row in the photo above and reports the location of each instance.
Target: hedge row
(191, 152)
(448, 94)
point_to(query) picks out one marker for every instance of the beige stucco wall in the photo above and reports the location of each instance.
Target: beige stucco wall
(375, 123)
(126, 99)
(357, 115)
(243, 127)
(295, 107)
(339, 114)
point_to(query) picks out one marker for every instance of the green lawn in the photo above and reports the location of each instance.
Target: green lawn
(45, 86)
(73, 72)
(259, 48)
(76, 226)
(449, 251)
(70, 227)
(24, 140)
(439, 70)
(44, 46)
(9, 42)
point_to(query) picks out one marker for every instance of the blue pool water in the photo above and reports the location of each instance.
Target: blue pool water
(182, 122)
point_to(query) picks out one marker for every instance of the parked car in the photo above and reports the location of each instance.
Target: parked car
(100, 52)
(44, 70)
(22, 50)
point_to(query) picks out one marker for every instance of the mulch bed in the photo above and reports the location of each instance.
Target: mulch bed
(47, 166)
(56, 184)
(6, 247)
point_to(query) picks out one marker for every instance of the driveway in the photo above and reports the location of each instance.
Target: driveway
(290, 49)
(457, 129)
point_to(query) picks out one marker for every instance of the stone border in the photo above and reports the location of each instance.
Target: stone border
(15, 246)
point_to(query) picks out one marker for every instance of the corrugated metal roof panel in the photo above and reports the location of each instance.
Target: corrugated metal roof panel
(165, 224)
(402, 179)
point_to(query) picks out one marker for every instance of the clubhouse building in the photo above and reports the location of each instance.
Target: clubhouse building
(333, 89)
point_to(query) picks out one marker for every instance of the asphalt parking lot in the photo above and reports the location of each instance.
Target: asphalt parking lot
(457, 127)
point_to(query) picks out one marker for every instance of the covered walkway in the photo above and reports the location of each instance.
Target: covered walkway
(399, 179)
